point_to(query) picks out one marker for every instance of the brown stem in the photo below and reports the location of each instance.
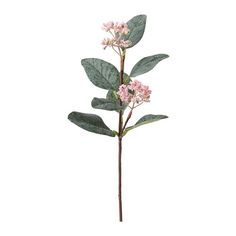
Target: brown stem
(120, 180)
(122, 60)
(126, 122)
(128, 117)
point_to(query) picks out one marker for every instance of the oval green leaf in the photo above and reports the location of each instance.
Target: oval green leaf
(137, 27)
(147, 64)
(90, 122)
(105, 104)
(145, 120)
(101, 73)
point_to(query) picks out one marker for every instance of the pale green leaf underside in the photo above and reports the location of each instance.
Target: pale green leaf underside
(146, 120)
(101, 73)
(136, 26)
(90, 122)
(146, 64)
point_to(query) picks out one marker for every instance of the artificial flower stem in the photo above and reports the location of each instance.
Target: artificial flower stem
(128, 117)
(120, 180)
(120, 135)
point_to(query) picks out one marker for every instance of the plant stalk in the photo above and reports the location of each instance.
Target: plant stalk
(120, 135)
(120, 181)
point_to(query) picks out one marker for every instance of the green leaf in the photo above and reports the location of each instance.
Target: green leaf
(145, 120)
(112, 95)
(127, 79)
(136, 26)
(91, 123)
(146, 64)
(105, 104)
(101, 73)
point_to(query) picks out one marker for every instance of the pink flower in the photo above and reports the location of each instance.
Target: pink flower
(117, 30)
(108, 26)
(124, 93)
(135, 85)
(107, 42)
(115, 43)
(121, 28)
(124, 43)
(134, 92)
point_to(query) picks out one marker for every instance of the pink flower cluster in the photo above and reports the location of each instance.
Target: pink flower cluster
(134, 92)
(121, 28)
(117, 30)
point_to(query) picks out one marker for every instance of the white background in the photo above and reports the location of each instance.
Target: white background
(179, 174)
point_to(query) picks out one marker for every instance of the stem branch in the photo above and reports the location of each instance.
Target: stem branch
(128, 117)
